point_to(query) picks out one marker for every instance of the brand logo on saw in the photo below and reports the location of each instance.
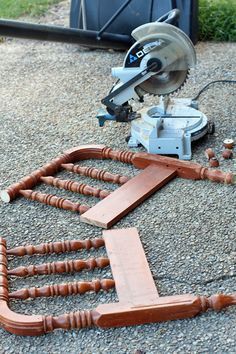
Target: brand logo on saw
(146, 49)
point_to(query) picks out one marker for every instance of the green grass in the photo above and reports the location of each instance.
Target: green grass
(217, 20)
(17, 8)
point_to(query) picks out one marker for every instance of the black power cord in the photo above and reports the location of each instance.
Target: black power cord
(211, 83)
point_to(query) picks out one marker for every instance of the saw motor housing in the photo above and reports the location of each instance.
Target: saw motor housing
(157, 64)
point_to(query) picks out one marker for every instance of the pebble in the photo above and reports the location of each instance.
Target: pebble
(50, 94)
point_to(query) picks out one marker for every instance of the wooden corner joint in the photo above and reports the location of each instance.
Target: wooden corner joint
(37, 325)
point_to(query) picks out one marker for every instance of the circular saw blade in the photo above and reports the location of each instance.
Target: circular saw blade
(169, 45)
(164, 83)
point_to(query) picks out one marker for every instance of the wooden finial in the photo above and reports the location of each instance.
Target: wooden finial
(95, 173)
(76, 187)
(218, 176)
(59, 267)
(56, 247)
(54, 201)
(63, 289)
(218, 302)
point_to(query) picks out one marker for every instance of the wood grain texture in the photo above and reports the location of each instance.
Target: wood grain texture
(56, 247)
(134, 282)
(54, 201)
(59, 267)
(94, 173)
(76, 187)
(65, 289)
(107, 212)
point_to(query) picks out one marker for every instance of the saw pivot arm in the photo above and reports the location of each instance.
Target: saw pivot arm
(123, 112)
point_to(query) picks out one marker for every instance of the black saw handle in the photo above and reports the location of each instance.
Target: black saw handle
(170, 17)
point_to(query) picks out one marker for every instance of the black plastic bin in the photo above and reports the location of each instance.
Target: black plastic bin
(94, 14)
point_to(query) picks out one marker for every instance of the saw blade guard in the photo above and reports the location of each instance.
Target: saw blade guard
(175, 48)
(171, 47)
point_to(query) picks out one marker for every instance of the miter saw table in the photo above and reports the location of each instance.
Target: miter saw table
(157, 64)
(169, 128)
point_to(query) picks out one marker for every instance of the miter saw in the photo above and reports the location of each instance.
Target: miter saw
(158, 63)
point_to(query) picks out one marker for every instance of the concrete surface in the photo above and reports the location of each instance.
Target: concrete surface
(49, 97)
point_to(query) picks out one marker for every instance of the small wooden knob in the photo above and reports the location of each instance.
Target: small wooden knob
(209, 153)
(228, 143)
(213, 162)
(227, 154)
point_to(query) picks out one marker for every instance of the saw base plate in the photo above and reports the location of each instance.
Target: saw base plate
(169, 131)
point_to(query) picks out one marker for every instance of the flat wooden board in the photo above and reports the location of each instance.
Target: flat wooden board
(111, 209)
(133, 279)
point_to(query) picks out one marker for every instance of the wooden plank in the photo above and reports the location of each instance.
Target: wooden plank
(133, 279)
(110, 210)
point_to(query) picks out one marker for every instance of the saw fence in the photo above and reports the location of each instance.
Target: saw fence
(139, 301)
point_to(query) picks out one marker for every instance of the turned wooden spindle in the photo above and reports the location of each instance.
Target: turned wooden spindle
(73, 320)
(76, 288)
(122, 156)
(3, 271)
(59, 267)
(56, 247)
(92, 172)
(76, 187)
(54, 201)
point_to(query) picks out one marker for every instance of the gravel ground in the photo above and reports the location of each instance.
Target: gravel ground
(50, 94)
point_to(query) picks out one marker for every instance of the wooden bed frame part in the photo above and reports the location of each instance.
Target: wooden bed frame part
(157, 171)
(139, 301)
